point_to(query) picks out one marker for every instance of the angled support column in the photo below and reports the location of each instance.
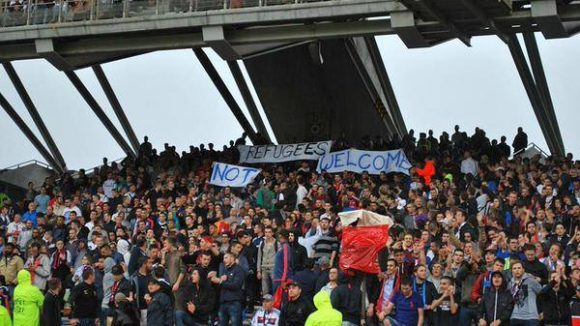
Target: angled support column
(116, 105)
(428, 6)
(88, 97)
(215, 37)
(29, 134)
(403, 23)
(248, 99)
(476, 10)
(386, 85)
(545, 13)
(373, 92)
(542, 85)
(225, 93)
(534, 95)
(45, 49)
(21, 90)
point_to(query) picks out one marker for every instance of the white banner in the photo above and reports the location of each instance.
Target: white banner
(284, 152)
(364, 218)
(358, 161)
(228, 175)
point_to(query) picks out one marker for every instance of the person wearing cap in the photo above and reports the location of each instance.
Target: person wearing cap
(266, 315)
(159, 307)
(297, 308)
(497, 303)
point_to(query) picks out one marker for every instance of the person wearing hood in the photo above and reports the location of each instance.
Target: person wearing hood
(347, 298)
(28, 301)
(325, 315)
(524, 289)
(497, 303)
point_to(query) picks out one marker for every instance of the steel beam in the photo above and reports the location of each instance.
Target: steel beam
(21, 90)
(29, 134)
(533, 94)
(94, 105)
(214, 36)
(403, 23)
(428, 6)
(386, 85)
(542, 85)
(476, 10)
(248, 99)
(545, 13)
(45, 49)
(373, 92)
(116, 105)
(225, 93)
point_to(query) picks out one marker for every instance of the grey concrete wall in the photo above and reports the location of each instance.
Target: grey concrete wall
(298, 94)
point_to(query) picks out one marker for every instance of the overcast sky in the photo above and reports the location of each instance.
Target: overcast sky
(168, 96)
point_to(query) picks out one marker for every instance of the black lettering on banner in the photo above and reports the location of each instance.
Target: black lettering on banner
(309, 150)
(287, 150)
(299, 150)
(321, 148)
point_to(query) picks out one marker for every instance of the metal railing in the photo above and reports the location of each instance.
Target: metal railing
(37, 12)
(26, 163)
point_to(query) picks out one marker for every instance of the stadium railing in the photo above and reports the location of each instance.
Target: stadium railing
(35, 12)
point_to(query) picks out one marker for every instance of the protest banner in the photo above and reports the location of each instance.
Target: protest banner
(358, 161)
(229, 175)
(283, 152)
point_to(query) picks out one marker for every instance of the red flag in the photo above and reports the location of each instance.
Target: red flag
(361, 246)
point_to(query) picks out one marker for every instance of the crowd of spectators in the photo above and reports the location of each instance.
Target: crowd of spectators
(487, 239)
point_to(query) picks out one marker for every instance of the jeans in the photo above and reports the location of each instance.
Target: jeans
(267, 274)
(183, 318)
(230, 311)
(467, 316)
(87, 321)
(521, 322)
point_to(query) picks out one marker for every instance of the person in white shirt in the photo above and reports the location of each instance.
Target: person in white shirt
(14, 228)
(301, 191)
(469, 165)
(109, 185)
(266, 315)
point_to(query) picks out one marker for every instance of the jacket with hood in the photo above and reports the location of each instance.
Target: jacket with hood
(497, 304)
(347, 298)
(325, 315)
(27, 301)
(5, 317)
(524, 291)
